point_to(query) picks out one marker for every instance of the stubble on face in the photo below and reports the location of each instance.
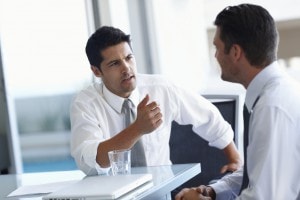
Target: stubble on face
(119, 69)
(224, 60)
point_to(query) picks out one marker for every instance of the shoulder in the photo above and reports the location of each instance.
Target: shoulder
(89, 94)
(157, 86)
(280, 94)
(282, 87)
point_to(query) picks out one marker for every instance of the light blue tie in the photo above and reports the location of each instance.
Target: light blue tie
(137, 151)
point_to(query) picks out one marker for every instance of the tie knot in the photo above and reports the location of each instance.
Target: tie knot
(128, 112)
(127, 105)
(246, 111)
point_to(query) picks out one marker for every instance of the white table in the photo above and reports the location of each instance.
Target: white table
(165, 179)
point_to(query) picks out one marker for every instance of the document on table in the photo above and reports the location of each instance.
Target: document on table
(40, 189)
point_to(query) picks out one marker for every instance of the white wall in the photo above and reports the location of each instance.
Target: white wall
(181, 41)
(279, 9)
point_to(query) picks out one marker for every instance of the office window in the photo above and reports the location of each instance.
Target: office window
(43, 55)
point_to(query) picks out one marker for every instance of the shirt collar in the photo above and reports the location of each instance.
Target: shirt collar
(256, 86)
(116, 102)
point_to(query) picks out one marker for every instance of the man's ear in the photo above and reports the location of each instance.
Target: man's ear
(236, 52)
(97, 72)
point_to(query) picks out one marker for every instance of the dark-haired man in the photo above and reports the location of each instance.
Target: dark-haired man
(246, 42)
(98, 120)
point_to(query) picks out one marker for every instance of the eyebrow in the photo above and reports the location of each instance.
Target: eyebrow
(112, 61)
(116, 60)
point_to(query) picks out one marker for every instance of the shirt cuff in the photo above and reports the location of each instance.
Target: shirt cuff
(223, 141)
(229, 186)
(89, 164)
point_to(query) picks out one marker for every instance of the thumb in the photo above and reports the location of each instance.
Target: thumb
(144, 102)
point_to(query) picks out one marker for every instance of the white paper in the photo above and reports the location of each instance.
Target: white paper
(40, 189)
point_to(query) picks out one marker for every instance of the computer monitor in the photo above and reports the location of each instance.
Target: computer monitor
(231, 108)
(187, 147)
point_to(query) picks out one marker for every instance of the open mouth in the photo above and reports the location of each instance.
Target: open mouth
(129, 78)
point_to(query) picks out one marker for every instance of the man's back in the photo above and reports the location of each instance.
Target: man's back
(274, 150)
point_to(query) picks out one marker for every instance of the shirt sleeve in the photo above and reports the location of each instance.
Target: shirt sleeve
(205, 118)
(84, 141)
(229, 186)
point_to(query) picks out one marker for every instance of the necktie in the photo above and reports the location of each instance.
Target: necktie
(137, 151)
(246, 115)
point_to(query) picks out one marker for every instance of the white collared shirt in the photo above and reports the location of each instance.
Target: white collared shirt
(96, 116)
(273, 154)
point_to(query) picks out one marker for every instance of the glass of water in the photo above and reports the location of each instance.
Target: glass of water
(120, 161)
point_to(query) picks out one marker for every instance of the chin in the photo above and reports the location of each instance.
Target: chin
(223, 77)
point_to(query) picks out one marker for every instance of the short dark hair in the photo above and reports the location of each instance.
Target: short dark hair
(251, 27)
(103, 38)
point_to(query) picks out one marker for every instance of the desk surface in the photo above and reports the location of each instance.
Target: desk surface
(165, 179)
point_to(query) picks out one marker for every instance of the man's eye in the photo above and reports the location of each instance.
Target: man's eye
(129, 57)
(113, 64)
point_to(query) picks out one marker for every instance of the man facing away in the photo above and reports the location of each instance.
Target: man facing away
(246, 42)
(98, 124)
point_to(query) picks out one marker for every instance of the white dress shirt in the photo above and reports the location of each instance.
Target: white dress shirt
(273, 153)
(96, 116)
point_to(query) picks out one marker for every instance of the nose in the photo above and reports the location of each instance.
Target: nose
(126, 66)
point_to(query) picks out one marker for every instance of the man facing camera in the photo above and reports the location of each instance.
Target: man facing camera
(100, 113)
